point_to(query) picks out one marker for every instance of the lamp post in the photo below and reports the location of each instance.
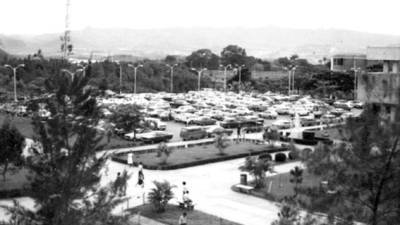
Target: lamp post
(14, 70)
(356, 70)
(72, 74)
(290, 77)
(135, 72)
(120, 76)
(293, 72)
(171, 67)
(199, 76)
(229, 66)
(240, 75)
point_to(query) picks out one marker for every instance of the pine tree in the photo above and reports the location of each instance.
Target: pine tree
(65, 184)
(362, 171)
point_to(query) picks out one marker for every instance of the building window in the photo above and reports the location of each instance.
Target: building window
(338, 61)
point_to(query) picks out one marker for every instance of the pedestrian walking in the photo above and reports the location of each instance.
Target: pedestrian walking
(117, 184)
(183, 219)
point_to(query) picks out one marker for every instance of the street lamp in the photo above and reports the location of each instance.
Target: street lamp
(229, 66)
(291, 71)
(120, 76)
(73, 74)
(199, 75)
(135, 71)
(171, 67)
(356, 70)
(240, 74)
(14, 70)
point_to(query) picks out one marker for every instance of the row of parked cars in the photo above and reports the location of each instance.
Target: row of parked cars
(198, 110)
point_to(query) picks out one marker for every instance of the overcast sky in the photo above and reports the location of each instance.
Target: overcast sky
(47, 16)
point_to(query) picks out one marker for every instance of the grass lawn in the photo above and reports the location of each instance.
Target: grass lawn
(16, 178)
(23, 124)
(196, 155)
(172, 214)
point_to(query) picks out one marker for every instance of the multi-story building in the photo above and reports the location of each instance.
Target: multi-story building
(378, 77)
(347, 62)
(380, 83)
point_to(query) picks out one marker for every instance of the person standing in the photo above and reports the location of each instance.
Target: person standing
(183, 219)
(130, 159)
(184, 188)
(117, 184)
(238, 133)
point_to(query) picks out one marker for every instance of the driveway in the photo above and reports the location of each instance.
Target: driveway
(209, 186)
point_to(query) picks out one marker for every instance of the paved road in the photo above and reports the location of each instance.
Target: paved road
(209, 187)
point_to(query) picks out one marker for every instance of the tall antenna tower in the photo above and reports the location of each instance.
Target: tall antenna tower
(66, 46)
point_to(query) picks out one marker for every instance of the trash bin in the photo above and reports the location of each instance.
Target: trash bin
(243, 179)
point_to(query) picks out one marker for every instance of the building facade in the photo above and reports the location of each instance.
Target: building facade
(347, 62)
(379, 84)
(377, 76)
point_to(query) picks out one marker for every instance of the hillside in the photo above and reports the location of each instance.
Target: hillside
(270, 42)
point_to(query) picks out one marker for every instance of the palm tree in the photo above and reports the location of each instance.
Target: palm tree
(296, 178)
(163, 152)
(160, 195)
(221, 143)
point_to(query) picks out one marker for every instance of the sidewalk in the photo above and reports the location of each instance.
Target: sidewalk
(141, 220)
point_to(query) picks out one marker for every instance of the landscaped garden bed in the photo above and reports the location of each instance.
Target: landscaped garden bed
(197, 155)
(172, 213)
(281, 186)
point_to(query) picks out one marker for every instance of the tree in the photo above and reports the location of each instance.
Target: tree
(296, 177)
(271, 135)
(221, 143)
(163, 151)
(66, 175)
(234, 55)
(363, 170)
(288, 215)
(11, 142)
(203, 58)
(160, 195)
(257, 167)
(128, 118)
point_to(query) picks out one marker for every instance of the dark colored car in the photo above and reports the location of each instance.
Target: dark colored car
(213, 131)
(156, 137)
(204, 121)
(230, 123)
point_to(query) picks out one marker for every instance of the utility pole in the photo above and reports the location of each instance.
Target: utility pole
(14, 70)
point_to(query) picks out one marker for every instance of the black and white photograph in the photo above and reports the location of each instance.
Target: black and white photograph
(199, 112)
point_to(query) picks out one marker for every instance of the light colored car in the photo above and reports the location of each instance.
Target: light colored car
(269, 114)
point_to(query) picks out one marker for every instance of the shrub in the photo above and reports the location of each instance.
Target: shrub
(280, 157)
(160, 195)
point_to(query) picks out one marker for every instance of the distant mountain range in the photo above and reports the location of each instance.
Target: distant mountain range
(270, 42)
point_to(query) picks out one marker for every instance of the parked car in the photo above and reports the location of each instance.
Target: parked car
(271, 115)
(230, 123)
(202, 121)
(192, 133)
(212, 131)
(306, 122)
(159, 125)
(155, 137)
(282, 124)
